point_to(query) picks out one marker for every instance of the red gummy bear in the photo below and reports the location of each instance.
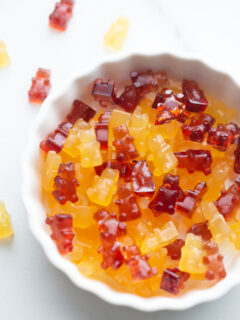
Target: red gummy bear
(173, 280)
(80, 110)
(174, 249)
(195, 160)
(127, 202)
(198, 127)
(101, 129)
(112, 254)
(142, 181)
(62, 231)
(214, 262)
(237, 157)
(138, 264)
(108, 224)
(188, 204)
(124, 168)
(201, 229)
(40, 86)
(167, 195)
(194, 96)
(228, 199)
(146, 82)
(65, 184)
(61, 15)
(222, 136)
(123, 144)
(104, 92)
(129, 99)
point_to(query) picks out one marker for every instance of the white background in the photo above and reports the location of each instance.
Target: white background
(30, 287)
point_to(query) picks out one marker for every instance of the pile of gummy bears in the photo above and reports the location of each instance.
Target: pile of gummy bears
(140, 193)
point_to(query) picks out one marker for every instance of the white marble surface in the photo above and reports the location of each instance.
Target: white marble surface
(30, 287)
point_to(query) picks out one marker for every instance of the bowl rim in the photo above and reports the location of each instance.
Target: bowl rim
(97, 287)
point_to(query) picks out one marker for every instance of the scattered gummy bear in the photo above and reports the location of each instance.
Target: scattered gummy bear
(117, 34)
(5, 223)
(40, 86)
(4, 57)
(132, 184)
(61, 15)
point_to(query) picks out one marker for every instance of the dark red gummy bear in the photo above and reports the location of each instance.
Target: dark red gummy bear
(173, 280)
(112, 254)
(65, 184)
(142, 181)
(62, 231)
(167, 195)
(214, 262)
(40, 86)
(138, 264)
(127, 202)
(80, 110)
(104, 92)
(229, 199)
(124, 144)
(201, 229)
(109, 225)
(194, 96)
(195, 160)
(222, 136)
(61, 15)
(101, 129)
(174, 249)
(198, 127)
(129, 99)
(124, 168)
(237, 157)
(191, 199)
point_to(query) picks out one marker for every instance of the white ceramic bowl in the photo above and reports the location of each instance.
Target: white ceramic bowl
(52, 112)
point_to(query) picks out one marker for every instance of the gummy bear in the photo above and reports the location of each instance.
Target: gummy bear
(161, 155)
(65, 184)
(195, 160)
(40, 86)
(214, 262)
(4, 57)
(228, 199)
(194, 96)
(201, 229)
(237, 157)
(61, 15)
(124, 168)
(108, 224)
(127, 202)
(174, 249)
(111, 254)
(101, 129)
(197, 128)
(117, 118)
(173, 280)
(62, 231)
(116, 35)
(104, 92)
(80, 110)
(222, 136)
(138, 264)
(51, 166)
(124, 144)
(235, 236)
(129, 99)
(188, 204)
(6, 229)
(142, 181)
(192, 255)
(167, 195)
(144, 82)
(104, 187)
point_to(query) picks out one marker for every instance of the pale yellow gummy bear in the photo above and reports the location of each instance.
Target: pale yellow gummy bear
(4, 57)
(117, 118)
(116, 35)
(6, 229)
(50, 170)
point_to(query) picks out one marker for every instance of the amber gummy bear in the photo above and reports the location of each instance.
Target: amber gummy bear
(222, 136)
(40, 86)
(61, 15)
(198, 127)
(173, 280)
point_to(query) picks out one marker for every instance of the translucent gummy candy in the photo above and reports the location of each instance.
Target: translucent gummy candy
(6, 229)
(61, 15)
(4, 57)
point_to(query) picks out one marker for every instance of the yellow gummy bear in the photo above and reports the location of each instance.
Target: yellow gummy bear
(139, 129)
(161, 237)
(82, 214)
(4, 57)
(116, 35)
(117, 118)
(5, 223)
(235, 236)
(161, 155)
(167, 130)
(216, 223)
(50, 170)
(104, 187)
(192, 255)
